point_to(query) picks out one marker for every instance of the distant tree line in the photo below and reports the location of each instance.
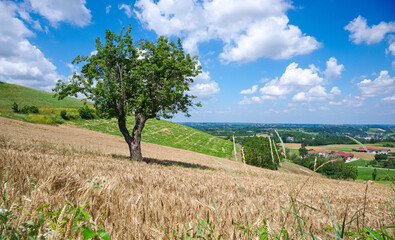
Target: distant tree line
(337, 169)
(257, 152)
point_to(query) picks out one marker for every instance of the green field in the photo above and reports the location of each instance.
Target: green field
(166, 133)
(382, 175)
(359, 163)
(156, 131)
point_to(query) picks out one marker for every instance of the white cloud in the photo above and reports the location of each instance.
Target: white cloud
(127, 9)
(253, 90)
(333, 70)
(389, 100)
(21, 62)
(317, 93)
(249, 29)
(108, 9)
(335, 91)
(383, 84)
(360, 32)
(294, 76)
(203, 87)
(251, 100)
(71, 11)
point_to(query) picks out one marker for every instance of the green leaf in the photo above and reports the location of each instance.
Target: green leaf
(103, 234)
(88, 234)
(40, 208)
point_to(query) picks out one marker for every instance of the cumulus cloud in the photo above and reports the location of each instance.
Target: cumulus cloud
(389, 100)
(333, 70)
(317, 93)
(383, 84)
(361, 32)
(251, 100)
(249, 29)
(71, 11)
(335, 91)
(21, 62)
(252, 90)
(293, 79)
(203, 86)
(127, 9)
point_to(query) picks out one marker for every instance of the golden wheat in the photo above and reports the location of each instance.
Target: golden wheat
(150, 201)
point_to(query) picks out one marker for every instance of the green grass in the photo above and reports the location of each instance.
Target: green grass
(156, 131)
(359, 163)
(26, 96)
(366, 174)
(167, 134)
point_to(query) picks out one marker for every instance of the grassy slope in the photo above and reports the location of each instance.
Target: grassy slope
(156, 131)
(10, 93)
(167, 134)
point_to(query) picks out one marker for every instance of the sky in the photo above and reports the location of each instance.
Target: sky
(263, 61)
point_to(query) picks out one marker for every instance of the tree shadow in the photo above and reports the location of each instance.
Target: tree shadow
(166, 162)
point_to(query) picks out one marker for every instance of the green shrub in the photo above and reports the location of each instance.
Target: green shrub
(86, 112)
(15, 107)
(63, 114)
(33, 109)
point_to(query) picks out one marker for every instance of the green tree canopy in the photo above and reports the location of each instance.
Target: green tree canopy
(257, 152)
(149, 79)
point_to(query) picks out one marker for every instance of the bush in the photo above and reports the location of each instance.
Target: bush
(63, 114)
(33, 109)
(15, 107)
(25, 109)
(86, 112)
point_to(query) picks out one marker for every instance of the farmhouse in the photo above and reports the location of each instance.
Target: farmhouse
(320, 153)
(374, 150)
(346, 156)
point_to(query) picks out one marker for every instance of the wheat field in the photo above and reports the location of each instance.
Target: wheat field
(175, 189)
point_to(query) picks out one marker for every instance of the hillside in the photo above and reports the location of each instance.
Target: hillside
(176, 189)
(156, 131)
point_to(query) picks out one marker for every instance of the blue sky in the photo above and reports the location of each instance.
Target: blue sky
(266, 61)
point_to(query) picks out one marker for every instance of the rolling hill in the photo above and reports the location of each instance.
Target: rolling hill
(160, 132)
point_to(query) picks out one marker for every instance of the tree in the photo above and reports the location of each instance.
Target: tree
(303, 151)
(147, 79)
(258, 153)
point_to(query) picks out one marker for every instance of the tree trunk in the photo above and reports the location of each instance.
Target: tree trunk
(136, 137)
(125, 133)
(134, 141)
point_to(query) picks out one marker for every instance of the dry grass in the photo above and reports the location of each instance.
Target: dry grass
(150, 201)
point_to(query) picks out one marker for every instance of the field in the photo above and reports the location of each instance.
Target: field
(175, 189)
(341, 147)
(167, 134)
(156, 131)
(366, 174)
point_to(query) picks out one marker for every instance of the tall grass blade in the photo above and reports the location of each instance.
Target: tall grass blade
(372, 234)
(387, 203)
(271, 151)
(216, 209)
(297, 216)
(355, 140)
(234, 147)
(344, 223)
(282, 144)
(335, 225)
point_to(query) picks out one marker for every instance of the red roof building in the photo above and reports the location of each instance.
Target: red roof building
(343, 154)
(374, 150)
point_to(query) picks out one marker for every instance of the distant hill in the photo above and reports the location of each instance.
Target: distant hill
(10, 93)
(160, 132)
